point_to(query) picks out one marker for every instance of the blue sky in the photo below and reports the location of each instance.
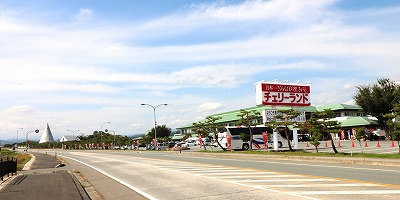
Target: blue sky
(79, 63)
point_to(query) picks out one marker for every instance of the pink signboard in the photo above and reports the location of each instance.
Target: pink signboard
(282, 94)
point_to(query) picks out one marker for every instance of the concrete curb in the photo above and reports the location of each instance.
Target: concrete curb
(89, 189)
(28, 165)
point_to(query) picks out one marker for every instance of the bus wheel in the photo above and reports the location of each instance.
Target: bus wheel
(279, 144)
(245, 147)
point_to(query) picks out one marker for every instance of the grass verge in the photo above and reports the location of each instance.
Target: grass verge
(22, 158)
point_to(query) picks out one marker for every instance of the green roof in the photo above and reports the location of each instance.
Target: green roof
(357, 121)
(177, 137)
(233, 115)
(339, 106)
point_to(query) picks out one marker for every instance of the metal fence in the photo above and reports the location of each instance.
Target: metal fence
(8, 166)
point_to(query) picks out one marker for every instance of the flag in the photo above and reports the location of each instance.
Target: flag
(200, 141)
(255, 144)
(155, 144)
(265, 137)
(228, 141)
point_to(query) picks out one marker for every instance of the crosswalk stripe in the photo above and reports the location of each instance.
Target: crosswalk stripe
(268, 180)
(262, 176)
(241, 173)
(285, 180)
(321, 185)
(349, 192)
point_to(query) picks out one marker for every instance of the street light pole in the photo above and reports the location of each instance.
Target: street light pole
(155, 120)
(16, 145)
(27, 143)
(101, 132)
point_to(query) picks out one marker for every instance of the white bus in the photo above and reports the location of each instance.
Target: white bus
(258, 140)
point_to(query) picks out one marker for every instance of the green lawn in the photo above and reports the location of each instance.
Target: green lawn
(21, 157)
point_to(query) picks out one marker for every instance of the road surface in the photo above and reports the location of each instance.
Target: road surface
(165, 175)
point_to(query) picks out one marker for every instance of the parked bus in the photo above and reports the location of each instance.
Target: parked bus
(258, 140)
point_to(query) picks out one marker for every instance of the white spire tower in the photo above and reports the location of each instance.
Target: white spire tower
(46, 136)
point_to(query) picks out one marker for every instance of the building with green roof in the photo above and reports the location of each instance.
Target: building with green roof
(349, 116)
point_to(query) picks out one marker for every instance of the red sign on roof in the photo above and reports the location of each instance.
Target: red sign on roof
(282, 94)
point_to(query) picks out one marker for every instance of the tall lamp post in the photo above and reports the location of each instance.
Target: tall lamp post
(16, 145)
(27, 143)
(101, 132)
(155, 121)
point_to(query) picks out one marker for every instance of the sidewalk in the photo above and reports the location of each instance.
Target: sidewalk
(43, 181)
(40, 179)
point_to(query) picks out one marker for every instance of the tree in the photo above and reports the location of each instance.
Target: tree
(249, 120)
(201, 129)
(323, 122)
(213, 126)
(162, 131)
(360, 135)
(285, 119)
(394, 122)
(378, 100)
(316, 136)
(396, 135)
(314, 128)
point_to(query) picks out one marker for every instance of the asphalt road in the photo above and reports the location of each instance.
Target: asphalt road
(164, 175)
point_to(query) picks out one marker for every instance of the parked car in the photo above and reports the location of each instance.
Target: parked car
(162, 146)
(181, 144)
(207, 141)
(191, 143)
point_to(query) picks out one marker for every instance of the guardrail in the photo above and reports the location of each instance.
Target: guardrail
(8, 165)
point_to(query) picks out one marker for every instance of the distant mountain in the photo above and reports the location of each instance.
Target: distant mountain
(4, 142)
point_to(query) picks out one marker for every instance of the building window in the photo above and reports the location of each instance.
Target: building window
(349, 114)
(361, 114)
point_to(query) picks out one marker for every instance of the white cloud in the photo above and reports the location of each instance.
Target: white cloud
(20, 109)
(101, 70)
(84, 15)
(207, 107)
(289, 10)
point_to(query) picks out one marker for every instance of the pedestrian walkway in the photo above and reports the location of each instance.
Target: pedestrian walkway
(44, 181)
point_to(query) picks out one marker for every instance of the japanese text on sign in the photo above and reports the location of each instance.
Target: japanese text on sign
(282, 94)
(285, 98)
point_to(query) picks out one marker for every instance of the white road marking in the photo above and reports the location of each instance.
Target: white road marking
(209, 177)
(358, 192)
(263, 176)
(285, 180)
(312, 165)
(242, 176)
(116, 179)
(218, 171)
(322, 185)
(243, 173)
